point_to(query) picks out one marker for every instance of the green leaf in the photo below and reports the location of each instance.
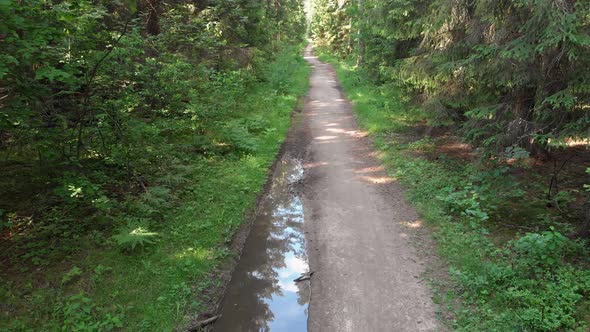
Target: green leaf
(139, 236)
(52, 74)
(132, 4)
(73, 273)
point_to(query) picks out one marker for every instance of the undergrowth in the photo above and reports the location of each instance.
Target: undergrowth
(79, 273)
(536, 280)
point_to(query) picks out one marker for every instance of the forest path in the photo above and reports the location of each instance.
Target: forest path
(358, 225)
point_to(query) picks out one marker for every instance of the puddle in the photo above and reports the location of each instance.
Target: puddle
(262, 295)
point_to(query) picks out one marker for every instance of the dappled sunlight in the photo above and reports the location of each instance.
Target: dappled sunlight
(573, 142)
(351, 133)
(335, 141)
(412, 224)
(456, 146)
(314, 165)
(357, 133)
(377, 155)
(253, 161)
(336, 130)
(325, 138)
(377, 179)
(317, 103)
(21, 226)
(194, 254)
(373, 169)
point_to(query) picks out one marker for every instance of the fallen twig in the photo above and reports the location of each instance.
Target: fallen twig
(304, 276)
(203, 323)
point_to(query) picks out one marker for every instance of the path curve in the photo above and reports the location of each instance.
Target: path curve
(358, 224)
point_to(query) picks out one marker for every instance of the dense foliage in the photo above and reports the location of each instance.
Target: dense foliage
(120, 123)
(99, 98)
(510, 73)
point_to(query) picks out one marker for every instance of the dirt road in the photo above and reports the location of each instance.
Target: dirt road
(358, 225)
(329, 197)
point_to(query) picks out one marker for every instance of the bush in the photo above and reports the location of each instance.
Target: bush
(541, 251)
(79, 314)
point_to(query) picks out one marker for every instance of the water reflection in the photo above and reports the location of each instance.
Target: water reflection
(262, 295)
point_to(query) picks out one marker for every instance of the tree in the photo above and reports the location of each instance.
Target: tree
(153, 17)
(509, 73)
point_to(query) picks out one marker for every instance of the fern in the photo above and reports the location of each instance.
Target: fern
(138, 237)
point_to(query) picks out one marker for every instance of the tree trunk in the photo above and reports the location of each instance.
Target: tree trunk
(360, 38)
(153, 19)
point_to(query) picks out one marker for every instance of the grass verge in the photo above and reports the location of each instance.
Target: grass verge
(534, 279)
(101, 287)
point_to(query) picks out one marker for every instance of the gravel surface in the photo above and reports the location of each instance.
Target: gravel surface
(359, 228)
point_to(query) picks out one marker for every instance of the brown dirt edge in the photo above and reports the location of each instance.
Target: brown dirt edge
(224, 271)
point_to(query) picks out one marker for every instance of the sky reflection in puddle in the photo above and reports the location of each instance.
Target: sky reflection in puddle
(262, 295)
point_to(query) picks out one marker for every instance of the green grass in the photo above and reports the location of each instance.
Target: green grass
(526, 282)
(102, 287)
